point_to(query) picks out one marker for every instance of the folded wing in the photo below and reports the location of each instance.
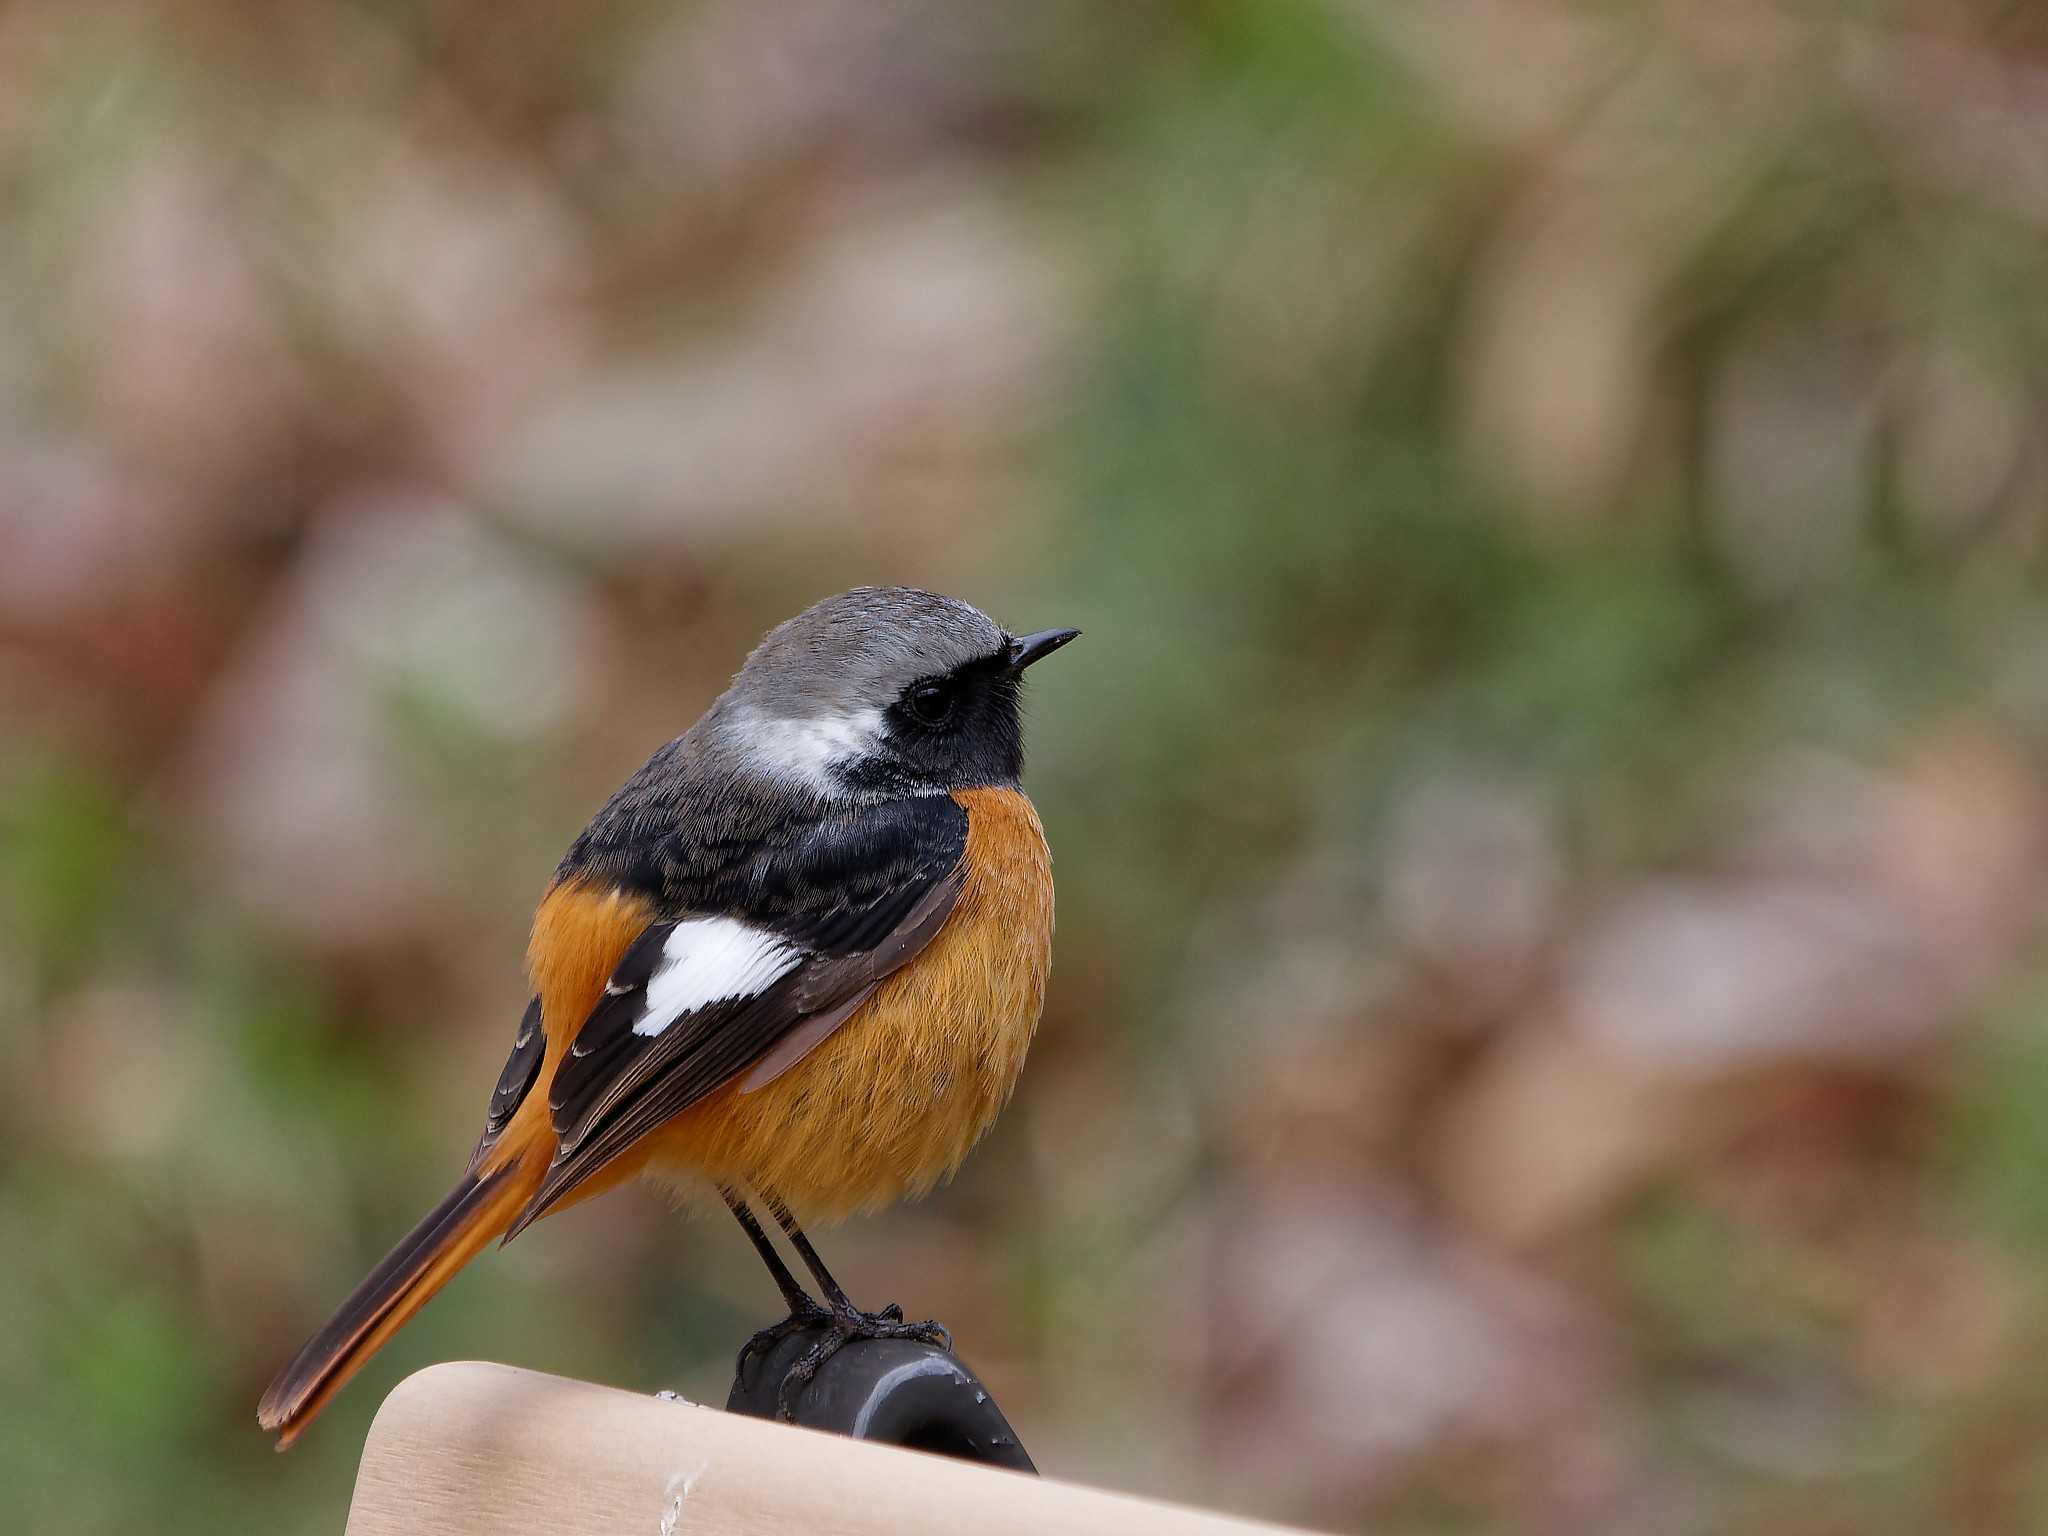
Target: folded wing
(791, 949)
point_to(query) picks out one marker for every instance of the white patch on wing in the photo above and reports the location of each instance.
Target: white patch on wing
(710, 960)
(803, 750)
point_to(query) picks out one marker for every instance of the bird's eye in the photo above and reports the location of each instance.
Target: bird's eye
(930, 703)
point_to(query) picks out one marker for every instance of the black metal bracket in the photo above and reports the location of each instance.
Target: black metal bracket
(894, 1391)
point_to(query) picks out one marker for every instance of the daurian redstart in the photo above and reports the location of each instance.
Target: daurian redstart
(799, 956)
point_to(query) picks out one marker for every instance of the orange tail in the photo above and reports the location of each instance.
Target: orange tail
(473, 1212)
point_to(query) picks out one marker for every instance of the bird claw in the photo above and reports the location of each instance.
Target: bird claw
(765, 1340)
(846, 1326)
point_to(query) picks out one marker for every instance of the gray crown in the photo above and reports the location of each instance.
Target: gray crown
(859, 651)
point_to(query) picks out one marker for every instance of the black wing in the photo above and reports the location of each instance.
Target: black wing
(529, 1045)
(848, 899)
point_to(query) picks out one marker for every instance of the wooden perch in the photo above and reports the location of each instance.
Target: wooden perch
(488, 1450)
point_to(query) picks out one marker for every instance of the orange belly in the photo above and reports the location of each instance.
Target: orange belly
(892, 1101)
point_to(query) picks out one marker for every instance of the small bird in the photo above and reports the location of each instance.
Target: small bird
(798, 958)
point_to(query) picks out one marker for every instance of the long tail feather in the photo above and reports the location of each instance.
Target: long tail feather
(427, 1258)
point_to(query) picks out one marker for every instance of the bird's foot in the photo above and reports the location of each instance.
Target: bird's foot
(847, 1324)
(798, 1320)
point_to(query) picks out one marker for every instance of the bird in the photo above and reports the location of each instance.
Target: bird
(797, 960)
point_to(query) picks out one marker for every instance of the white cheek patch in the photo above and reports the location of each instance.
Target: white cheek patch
(711, 960)
(804, 750)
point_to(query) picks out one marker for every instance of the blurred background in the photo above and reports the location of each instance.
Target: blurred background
(1547, 1030)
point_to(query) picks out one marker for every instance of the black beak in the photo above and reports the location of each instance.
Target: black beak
(1026, 649)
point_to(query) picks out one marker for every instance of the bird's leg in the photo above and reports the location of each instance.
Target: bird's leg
(803, 1311)
(848, 1321)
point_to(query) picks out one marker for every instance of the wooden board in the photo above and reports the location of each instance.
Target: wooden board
(487, 1450)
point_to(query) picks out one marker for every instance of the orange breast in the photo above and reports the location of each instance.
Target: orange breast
(893, 1100)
